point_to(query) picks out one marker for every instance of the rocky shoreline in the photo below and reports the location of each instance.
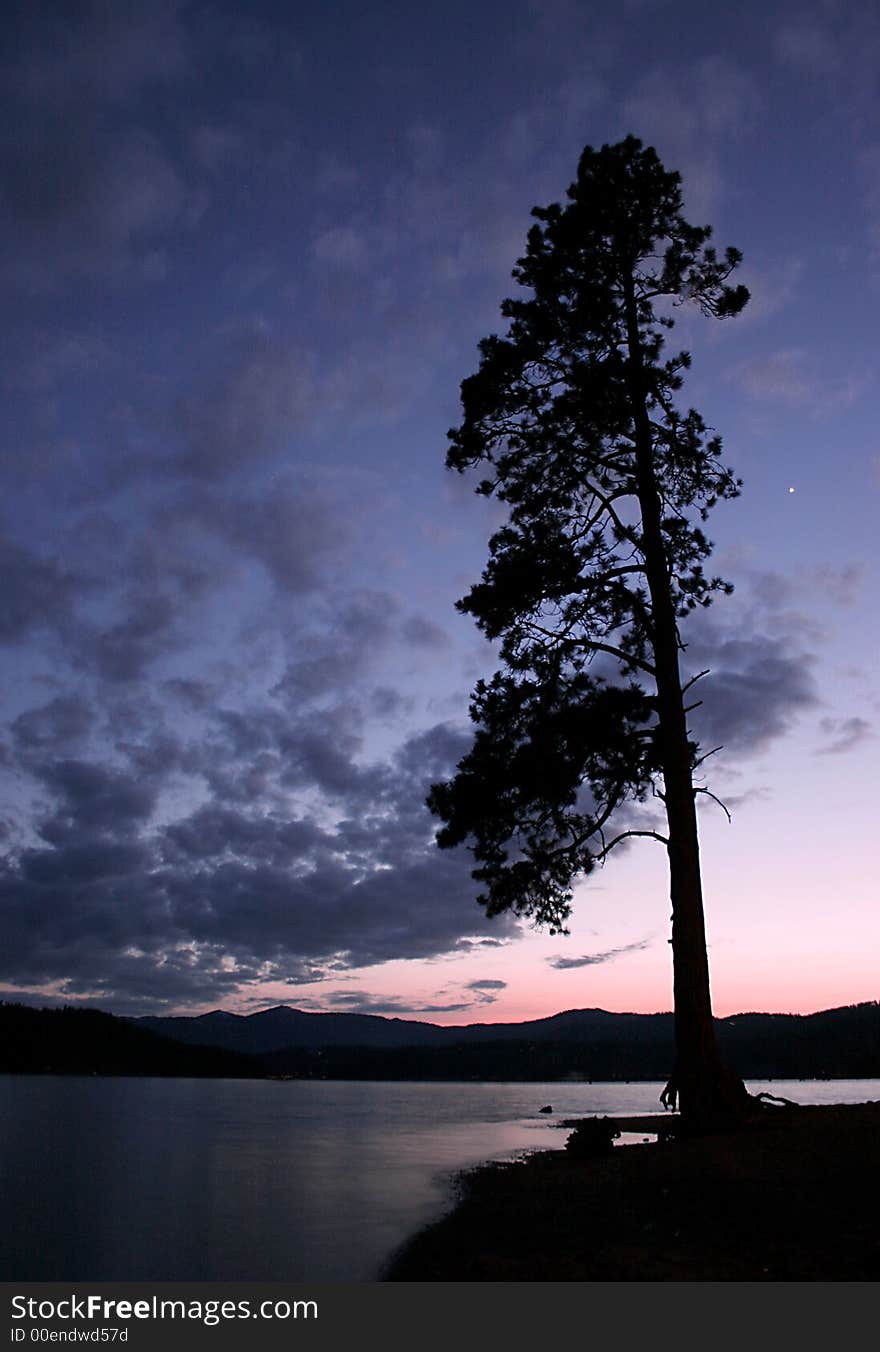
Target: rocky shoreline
(789, 1199)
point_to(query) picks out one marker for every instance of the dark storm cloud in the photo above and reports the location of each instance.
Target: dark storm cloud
(283, 854)
(96, 911)
(434, 753)
(60, 725)
(597, 959)
(295, 857)
(759, 653)
(215, 832)
(76, 866)
(92, 800)
(117, 901)
(753, 693)
(355, 627)
(313, 752)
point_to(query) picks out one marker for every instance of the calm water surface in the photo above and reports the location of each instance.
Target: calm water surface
(244, 1180)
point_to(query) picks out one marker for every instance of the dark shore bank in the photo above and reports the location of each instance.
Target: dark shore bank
(792, 1199)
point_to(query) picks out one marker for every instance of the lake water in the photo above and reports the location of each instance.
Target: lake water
(249, 1180)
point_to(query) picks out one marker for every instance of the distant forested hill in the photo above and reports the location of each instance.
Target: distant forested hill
(276, 1029)
(586, 1044)
(85, 1041)
(835, 1044)
(582, 1043)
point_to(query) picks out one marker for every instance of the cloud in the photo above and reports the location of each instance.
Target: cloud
(687, 114)
(759, 651)
(869, 167)
(779, 376)
(563, 964)
(341, 647)
(123, 651)
(95, 203)
(119, 900)
(362, 1002)
(833, 48)
(96, 51)
(293, 530)
(842, 585)
(85, 191)
(758, 794)
(51, 358)
(224, 378)
(788, 377)
(216, 843)
(845, 734)
(198, 695)
(807, 47)
(755, 689)
(261, 393)
(177, 585)
(92, 801)
(38, 592)
(771, 288)
(142, 581)
(419, 632)
(59, 726)
(341, 247)
(833, 44)
(387, 704)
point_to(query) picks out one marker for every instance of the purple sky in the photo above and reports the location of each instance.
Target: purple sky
(247, 255)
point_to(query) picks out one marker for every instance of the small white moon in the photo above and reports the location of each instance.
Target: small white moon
(791, 490)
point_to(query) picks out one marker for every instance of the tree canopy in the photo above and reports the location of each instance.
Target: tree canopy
(573, 419)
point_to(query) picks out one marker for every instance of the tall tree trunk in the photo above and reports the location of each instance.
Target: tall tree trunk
(708, 1093)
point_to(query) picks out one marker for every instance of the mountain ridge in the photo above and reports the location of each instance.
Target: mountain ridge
(284, 1028)
(592, 1044)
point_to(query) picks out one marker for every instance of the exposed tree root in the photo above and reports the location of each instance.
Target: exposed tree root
(669, 1096)
(718, 1102)
(775, 1099)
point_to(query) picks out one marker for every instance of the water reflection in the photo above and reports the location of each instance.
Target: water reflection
(175, 1180)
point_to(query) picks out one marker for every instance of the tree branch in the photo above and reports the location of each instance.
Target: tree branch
(693, 680)
(625, 531)
(609, 648)
(711, 795)
(629, 835)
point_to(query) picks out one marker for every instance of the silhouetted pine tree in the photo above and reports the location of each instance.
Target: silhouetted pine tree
(573, 419)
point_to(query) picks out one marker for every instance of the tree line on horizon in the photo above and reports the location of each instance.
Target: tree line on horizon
(833, 1044)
